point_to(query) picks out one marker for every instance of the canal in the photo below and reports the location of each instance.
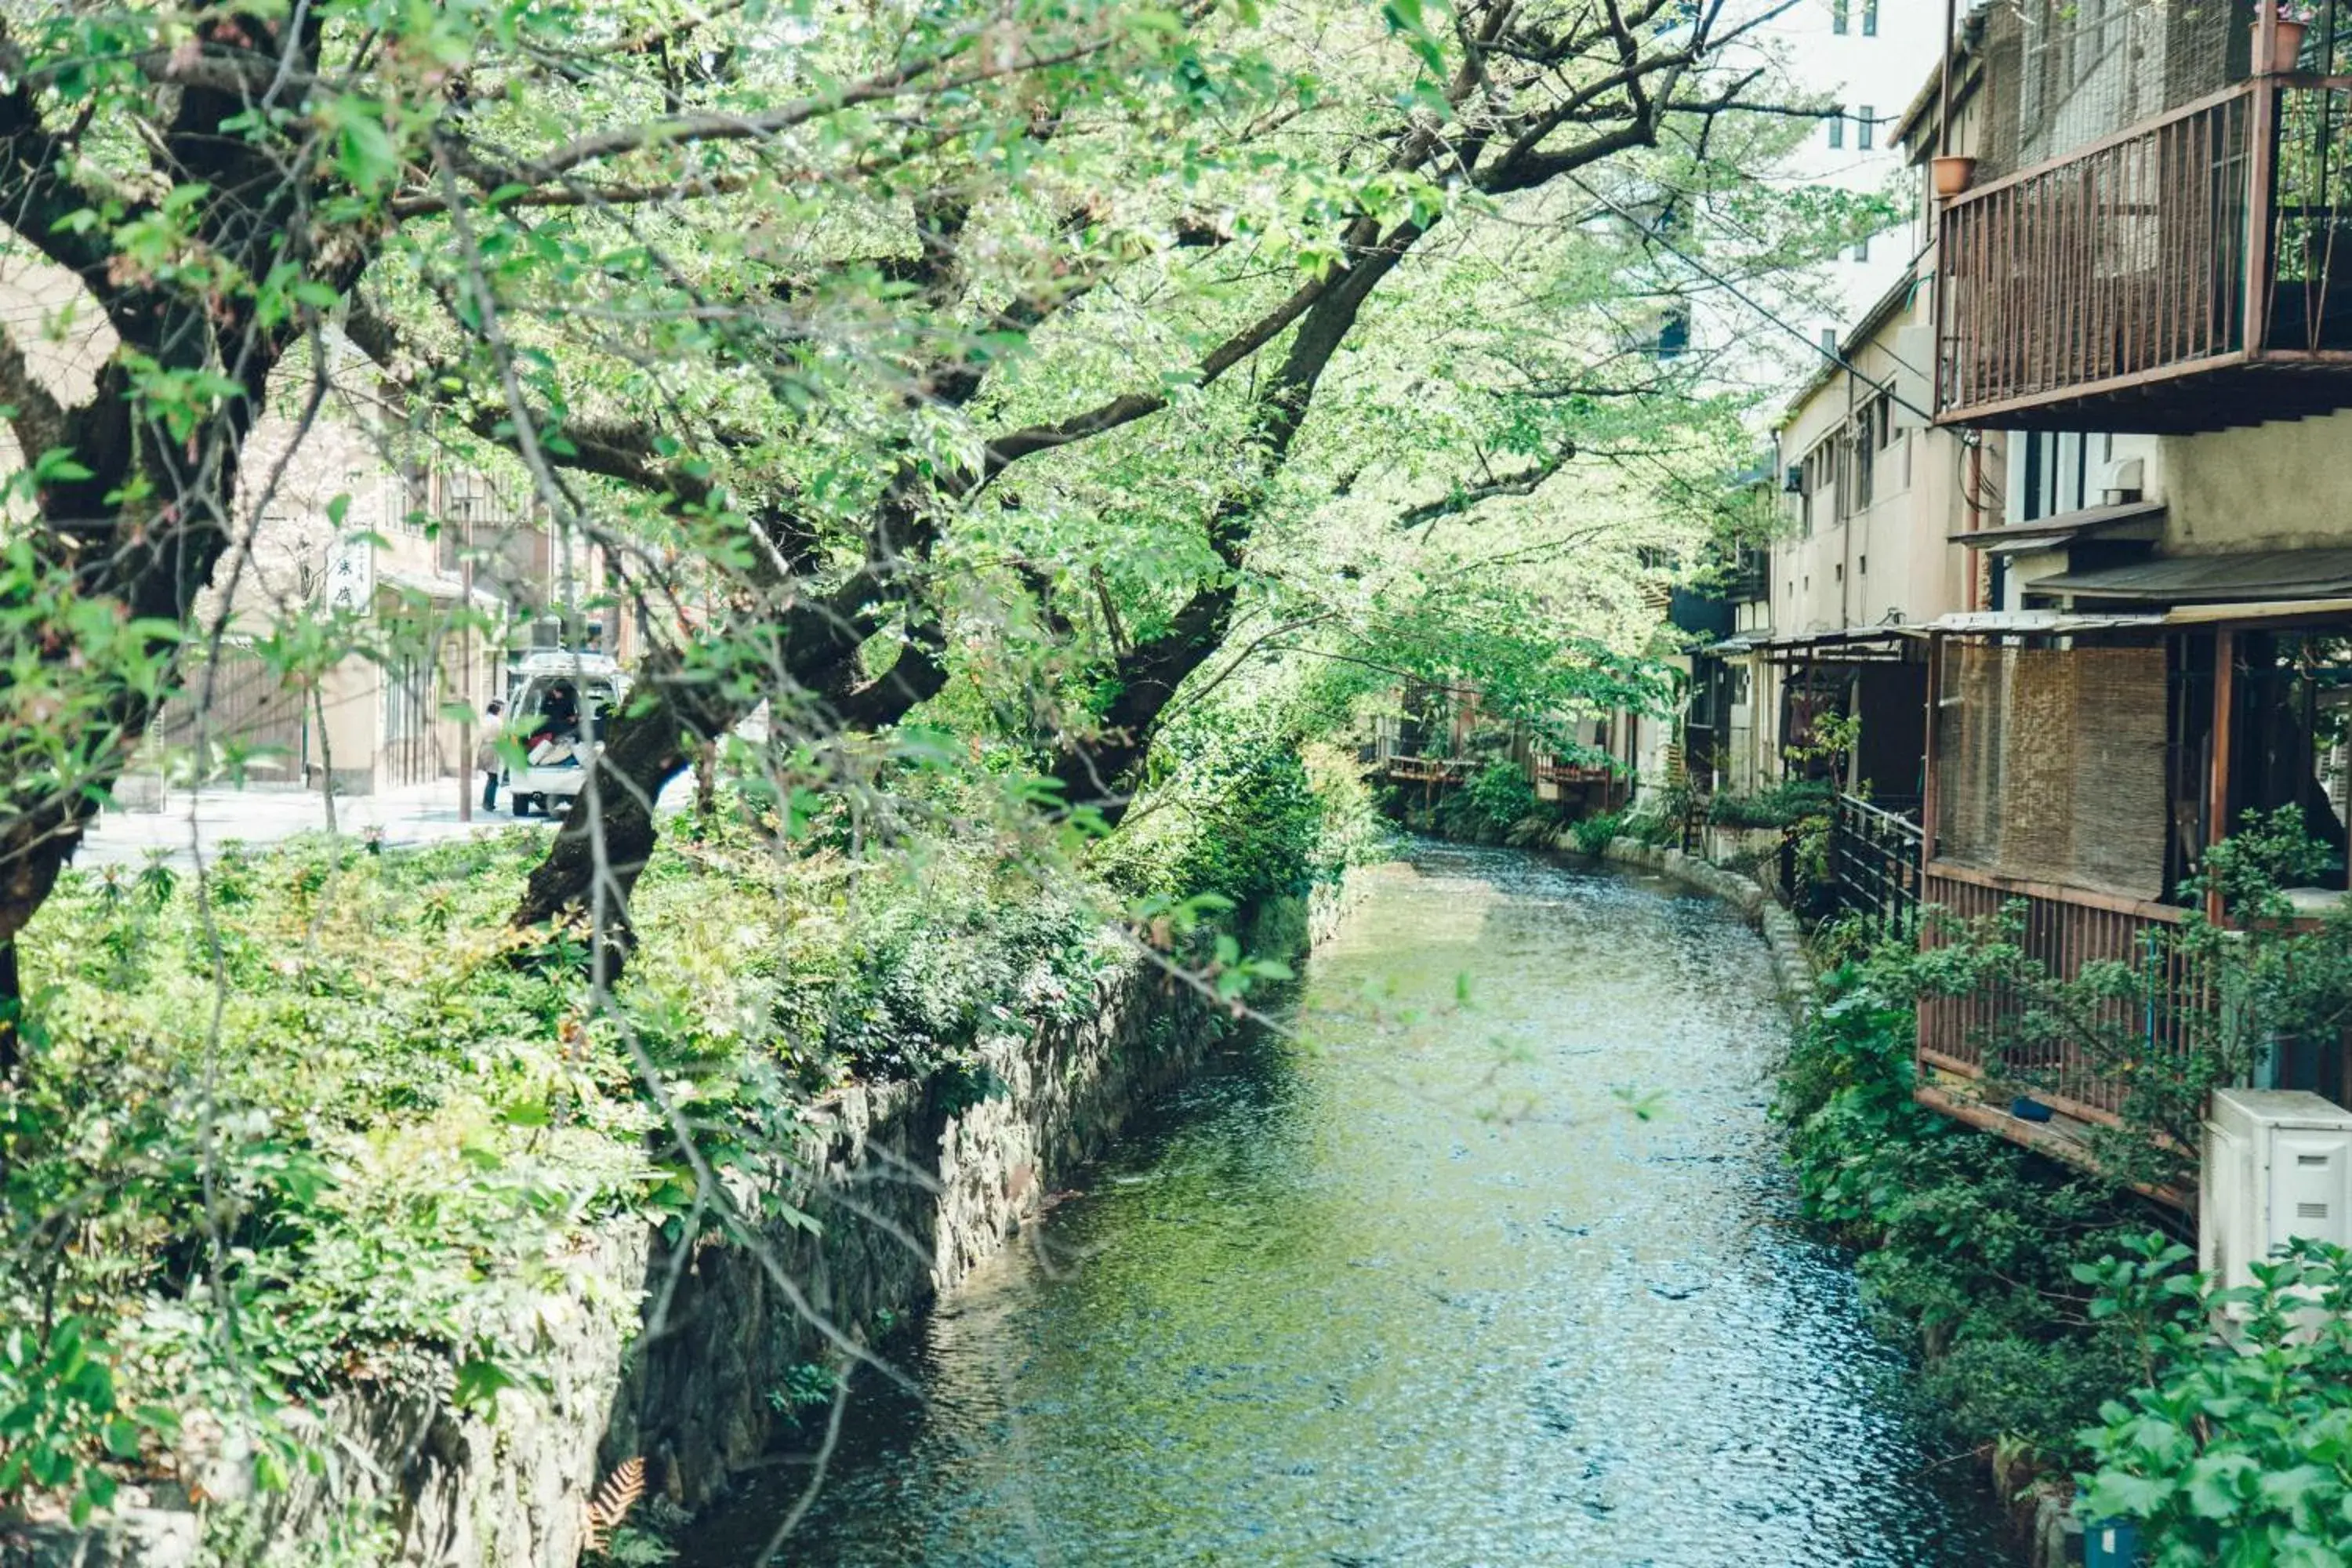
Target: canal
(1492, 1263)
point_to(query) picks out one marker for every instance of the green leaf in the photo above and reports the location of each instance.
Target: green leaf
(480, 1382)
(2117, 1494)
(2219, 1484)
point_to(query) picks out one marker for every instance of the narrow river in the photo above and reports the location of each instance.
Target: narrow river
(1494, 1264)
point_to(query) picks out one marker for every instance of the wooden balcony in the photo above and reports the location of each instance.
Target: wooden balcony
(1426, 770)
(2063, 929)
(2191, 273)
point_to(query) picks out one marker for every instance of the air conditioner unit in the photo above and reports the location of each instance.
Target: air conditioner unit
(2278, 1166)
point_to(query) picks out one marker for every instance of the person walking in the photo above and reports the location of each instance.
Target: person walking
(486, 756)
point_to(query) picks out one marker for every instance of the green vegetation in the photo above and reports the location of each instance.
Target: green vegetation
(2056, 1325)
(2233, 1452)
(424, 1129)
(2282, 979)
(1595, 833)
(1788, 803)
(1025, 444)
(1969, 1243)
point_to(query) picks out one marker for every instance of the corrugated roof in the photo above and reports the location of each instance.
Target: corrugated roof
(2256, 575)
(2043, 533)
(2065, 623)
(2036, 623)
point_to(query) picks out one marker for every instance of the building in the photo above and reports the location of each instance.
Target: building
(2140, 292)
(1853, 57)
(1846, 57)
(378, 543)
(1876, 506)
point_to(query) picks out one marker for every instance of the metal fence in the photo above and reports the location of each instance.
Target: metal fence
(1875, 858)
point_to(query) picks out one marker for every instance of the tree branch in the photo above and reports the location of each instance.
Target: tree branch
(1462, 498)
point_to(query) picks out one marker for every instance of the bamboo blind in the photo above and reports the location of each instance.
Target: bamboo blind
(2052, 765)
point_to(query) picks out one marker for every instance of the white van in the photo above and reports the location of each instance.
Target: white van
(554, 768)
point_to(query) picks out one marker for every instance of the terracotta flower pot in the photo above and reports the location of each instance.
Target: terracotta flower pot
(2289, 44)
(1954, 174)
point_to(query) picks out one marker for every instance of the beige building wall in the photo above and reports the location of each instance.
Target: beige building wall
(2265, 487)
(290, 540)
(1890, 560)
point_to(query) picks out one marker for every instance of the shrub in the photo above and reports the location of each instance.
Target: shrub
(1500, 796)
(2234, 1450)
(1783, 805)
(1655, 826)
(1594, 834)
(1969, 1243)
(334, 1107)
(1258, 836)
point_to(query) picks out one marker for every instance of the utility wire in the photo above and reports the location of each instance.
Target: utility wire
(1650, 232)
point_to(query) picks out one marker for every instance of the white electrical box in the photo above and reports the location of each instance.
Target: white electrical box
(2278, 1166)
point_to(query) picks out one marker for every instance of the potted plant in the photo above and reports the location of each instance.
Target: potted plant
(2292, 21)
(1953, 173)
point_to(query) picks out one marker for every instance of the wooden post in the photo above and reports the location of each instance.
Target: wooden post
(2217, 796)
(1928, 802)
(2262, 173)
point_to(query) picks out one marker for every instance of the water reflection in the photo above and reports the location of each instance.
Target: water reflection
(1423, 1290)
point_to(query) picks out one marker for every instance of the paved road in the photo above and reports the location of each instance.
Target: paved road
(423, 815)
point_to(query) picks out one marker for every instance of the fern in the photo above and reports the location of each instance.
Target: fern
(614, 1501)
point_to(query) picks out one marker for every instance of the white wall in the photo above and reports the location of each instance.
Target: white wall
(1807, 59)
(1862, 565)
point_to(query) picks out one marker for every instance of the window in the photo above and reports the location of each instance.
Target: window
(1838, 9)
(1674, 334)
(1866, 129)
(1837, 127)
(1869, 19)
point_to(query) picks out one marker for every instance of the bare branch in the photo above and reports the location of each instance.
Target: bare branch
(1462, 498)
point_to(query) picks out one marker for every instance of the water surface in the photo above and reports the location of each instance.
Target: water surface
(1422, 1287)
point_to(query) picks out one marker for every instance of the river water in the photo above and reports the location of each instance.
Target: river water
(1493, 1263)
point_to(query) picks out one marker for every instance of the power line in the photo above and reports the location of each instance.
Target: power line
(1826, 351)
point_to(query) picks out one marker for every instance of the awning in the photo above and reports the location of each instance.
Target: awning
(1854, 643)
(440, 588)
(2068, 623)
(2128, 519)
(2213, 579)
(2037, 622)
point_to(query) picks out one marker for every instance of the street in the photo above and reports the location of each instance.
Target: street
(418, 815)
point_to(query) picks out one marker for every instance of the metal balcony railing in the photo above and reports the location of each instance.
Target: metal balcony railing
(2090, 291)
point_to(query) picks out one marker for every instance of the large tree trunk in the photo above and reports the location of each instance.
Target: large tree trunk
(1098, 770)
(152, 553)
(609, 833)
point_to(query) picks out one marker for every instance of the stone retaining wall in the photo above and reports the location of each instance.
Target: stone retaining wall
(671, 1354)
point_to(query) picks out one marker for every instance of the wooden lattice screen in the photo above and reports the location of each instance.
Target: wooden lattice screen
(2050, 765)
